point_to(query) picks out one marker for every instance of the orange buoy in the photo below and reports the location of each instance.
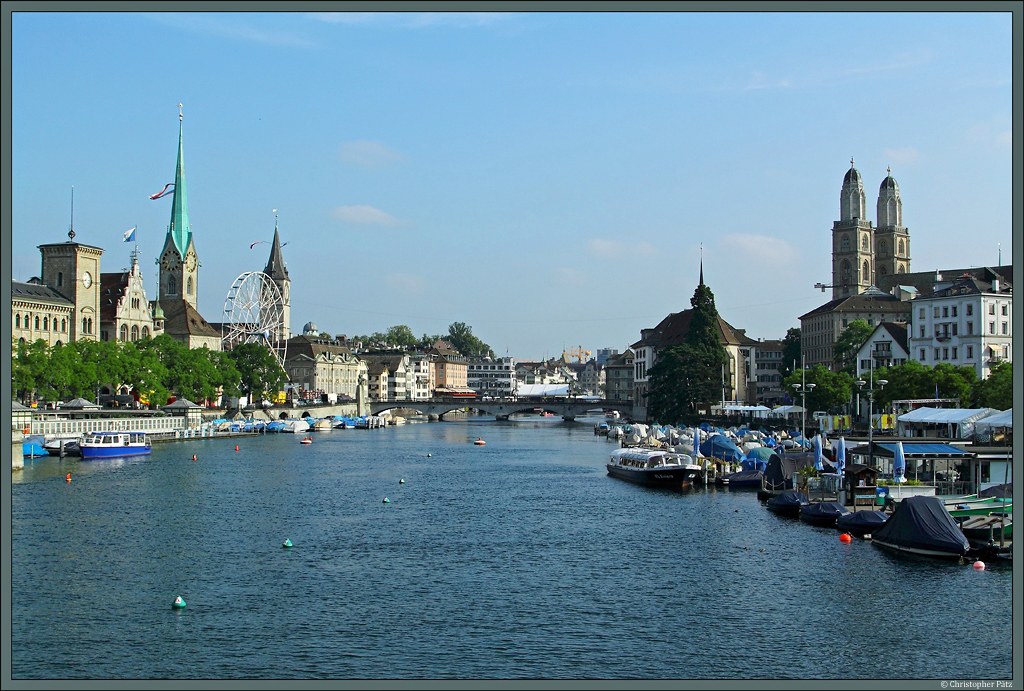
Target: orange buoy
(67, 478)
(845, 538)
(193, 457)
(236, 447)
(979, 565)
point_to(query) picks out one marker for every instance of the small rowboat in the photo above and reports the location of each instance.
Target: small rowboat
(306, 440)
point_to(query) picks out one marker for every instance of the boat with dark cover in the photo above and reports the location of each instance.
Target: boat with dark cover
(922, 525)
(861, 523)
(787, 503)
(823, 512)
(653, 467)
(742, 479)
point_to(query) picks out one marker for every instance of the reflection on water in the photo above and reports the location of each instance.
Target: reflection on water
(518, 559)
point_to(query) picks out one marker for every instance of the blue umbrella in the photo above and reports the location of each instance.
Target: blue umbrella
(899, 463)
(696, 443)
(817, 452)
(840, 455)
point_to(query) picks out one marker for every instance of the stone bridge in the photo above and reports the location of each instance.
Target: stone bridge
(501, 409)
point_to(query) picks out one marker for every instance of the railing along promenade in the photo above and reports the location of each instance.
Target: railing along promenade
(156, 425)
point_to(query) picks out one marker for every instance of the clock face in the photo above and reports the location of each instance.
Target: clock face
(190, 262)
(170, 261)
(86, 279)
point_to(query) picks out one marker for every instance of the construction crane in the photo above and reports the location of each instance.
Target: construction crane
(577, 353)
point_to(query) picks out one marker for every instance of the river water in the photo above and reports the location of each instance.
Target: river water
(520, 559)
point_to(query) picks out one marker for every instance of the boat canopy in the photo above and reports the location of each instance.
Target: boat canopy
(923, 523)
(720, 446)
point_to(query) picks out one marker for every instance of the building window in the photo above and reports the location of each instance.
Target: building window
(954, 310)
(1004, 328)
(901, 250)
(970, 328)
(172, 285)
(954, 328)
(1006, 352)
(17, 321)
(60, 278)
(920, 313)
(189, 284)
(864, 243)
(936, 313)
(970, 352)
(845, 273)
(945, 311)
(63, 325)
(938, 353)
(954, 352)
(124, 332)
(901, 269)
(992, 308)
(845, 247)
(970, 310)
(923, 355)
(945, 353)
(991, 327)
(866, 276)
(135, 332)
(1003, 307)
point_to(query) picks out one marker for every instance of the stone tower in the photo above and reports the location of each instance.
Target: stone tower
(278, 273)
(852, 240)
(892, 240)
(179, 263)
(73, 270)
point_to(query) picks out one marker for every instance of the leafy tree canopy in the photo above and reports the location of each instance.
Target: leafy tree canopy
(259, 373)
(461, 337)
(790, 352)
(831, 389)
(848, 343)
(997, 390)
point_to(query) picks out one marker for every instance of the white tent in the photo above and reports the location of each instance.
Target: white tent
(960, 419)
(531, 390)
(1003, 419)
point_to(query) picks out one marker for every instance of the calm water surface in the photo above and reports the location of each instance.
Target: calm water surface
(518, 559)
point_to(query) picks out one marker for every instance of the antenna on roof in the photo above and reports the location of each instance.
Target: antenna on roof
(71, 232)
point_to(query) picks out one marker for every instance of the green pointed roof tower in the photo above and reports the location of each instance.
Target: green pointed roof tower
(179, 229)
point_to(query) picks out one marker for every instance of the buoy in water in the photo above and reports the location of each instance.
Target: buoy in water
(193, 457)
(979, 565)
(287, 543)
(479, 442)
(178, 603)
(428, 455)
(386, 501)
(236, 447)
(67, 478)
(402, 481)
(845, 538)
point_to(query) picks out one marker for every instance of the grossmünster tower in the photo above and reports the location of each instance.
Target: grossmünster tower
(179, 271)
(861, 253)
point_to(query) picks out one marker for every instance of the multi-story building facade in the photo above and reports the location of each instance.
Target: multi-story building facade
(820, 327)
(325, 368)
(619, 376)
(393, 374)
(125, 313)
(591, 378)
(492, 377)
(966, 321)
(885, 347)
(767, 376)
(421, 376)
(450, 369)
(604, 353)
(40, 312)
(73, 270)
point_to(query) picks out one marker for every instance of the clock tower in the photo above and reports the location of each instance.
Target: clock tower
(178, 261)
(73, 270)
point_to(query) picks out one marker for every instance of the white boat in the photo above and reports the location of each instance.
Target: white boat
(300, 426)
(653, 467)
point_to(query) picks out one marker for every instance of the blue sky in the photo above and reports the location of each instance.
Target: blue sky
(546, 178)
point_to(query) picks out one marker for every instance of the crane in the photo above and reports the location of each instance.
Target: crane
(577, 353)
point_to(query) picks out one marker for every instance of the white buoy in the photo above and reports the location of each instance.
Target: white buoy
(428, 455)
(402, 481)
(178, 603)
(287, 543)
(386, 501)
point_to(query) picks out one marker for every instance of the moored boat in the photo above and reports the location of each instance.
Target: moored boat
(114, 444)
(70, 447)
(922, 525)
(861, 523)
(978, 507)
(984, 528)
(744, 479)
(653, 467)
(823, 512)
(787, 503)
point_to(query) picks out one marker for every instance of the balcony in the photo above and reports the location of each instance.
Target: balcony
(942, 337)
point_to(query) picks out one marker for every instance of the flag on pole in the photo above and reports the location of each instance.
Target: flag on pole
(129, 235)
(162, 192)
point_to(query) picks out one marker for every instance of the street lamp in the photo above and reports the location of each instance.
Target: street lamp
(803, 390)
(870, 391)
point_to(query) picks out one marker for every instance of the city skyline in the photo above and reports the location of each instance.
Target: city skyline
(507, 170)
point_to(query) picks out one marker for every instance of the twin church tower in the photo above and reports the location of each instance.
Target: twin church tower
(862, 254)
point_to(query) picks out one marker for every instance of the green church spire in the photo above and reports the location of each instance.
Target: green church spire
(179, 229)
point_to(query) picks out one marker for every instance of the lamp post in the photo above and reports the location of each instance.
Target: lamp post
(803, 389)
(870, 391)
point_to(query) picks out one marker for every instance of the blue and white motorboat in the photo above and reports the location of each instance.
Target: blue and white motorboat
(114, 444)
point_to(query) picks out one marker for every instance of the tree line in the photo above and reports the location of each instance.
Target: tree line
(460, 337)
(152, 369)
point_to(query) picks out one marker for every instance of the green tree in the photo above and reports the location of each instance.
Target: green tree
(831, 390)
(400, 335)
(688, 376)
(260, 375)
(997, 390)
(790, 352)
(462, 339)
(849, 342)
(28, 368)
(952, 381)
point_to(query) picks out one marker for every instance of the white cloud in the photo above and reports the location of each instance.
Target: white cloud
(760, 249)
(362, 214)
(610, 249)
(207, 24)
(906, 154)
(368, 154)
(570, 277)
(758, 80)
(413, 19)
(405, 283)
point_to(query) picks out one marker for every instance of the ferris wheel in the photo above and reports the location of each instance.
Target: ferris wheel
(254, 313)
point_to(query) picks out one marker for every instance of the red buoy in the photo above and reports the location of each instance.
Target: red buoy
(979, 565)
(845, 538)
(67, 478)
(193, 457)
(236, 447)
